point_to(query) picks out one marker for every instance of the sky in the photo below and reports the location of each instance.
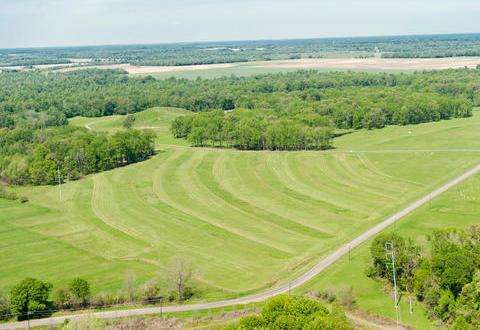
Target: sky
(40, 23)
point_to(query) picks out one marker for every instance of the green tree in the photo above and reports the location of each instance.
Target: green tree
(296, 312)
(29, 298)
(128, 121)
(79, 292)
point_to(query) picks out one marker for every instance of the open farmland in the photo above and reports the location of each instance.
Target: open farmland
(245, 220)
(265, 67)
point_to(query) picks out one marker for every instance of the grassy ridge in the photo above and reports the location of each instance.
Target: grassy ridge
(155, 119)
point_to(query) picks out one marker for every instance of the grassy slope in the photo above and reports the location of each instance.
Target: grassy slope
(245, 219)
(156, 119)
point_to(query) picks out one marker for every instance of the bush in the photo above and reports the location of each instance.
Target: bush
(79, 292)
(29, 298)
(62, 298)
(296, 312)
(346, 297)
(108, 299)
(5, 312)
(128, 121)
(150, 292)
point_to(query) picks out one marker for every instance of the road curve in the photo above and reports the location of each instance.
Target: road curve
(317, 269)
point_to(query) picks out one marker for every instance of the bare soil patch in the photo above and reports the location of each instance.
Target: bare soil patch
(376, 63)
(132, 69)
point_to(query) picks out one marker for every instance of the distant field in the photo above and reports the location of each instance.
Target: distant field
(264, 67)
(246, 220)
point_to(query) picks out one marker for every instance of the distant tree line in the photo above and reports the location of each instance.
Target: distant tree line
(246, 51)
(36, 99)
(53, 155)
(446, 278)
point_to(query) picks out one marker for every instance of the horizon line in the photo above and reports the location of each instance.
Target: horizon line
(238, 40)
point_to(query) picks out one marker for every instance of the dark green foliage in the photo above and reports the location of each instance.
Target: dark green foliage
(344, 99)
(79, 290)
(296, 312)
(250, 130)
(29, 298)
(58, 154)
(128, 121)
(407, 258)
(446, 279)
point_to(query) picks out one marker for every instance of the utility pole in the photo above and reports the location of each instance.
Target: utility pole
(390, 249)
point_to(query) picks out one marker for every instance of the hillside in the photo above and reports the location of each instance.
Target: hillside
(229, 212)
(156, 119)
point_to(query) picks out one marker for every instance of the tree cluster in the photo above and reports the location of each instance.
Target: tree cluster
(32, 298)
(446, 279)
(252, 130)
(53, 155)
(296, 312)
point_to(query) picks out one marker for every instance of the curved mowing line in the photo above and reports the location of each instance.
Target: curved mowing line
(252, 210)
(170, 170)
(317, 269)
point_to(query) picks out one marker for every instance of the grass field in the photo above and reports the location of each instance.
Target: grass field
(245, 220)
(457, 208)
(156, 119)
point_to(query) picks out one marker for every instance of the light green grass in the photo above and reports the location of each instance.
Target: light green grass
(249, 69)
(457, 208)
(245, 220)
(156, 119)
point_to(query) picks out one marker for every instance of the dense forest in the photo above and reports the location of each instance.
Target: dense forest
(288, 111)
(424, 46)
(446, 278)
(53, 155)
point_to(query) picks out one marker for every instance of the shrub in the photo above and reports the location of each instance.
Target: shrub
(150, 292)
(5, 312)
(29, 298)
(346, 297)
(292, 312)
(105, 300)
(128, 121)
(80, 292)
(62, 298)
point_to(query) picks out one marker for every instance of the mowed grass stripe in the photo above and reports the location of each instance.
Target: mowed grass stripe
(215, 184)
(184, 193)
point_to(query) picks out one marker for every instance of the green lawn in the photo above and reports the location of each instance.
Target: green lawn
(245, 220)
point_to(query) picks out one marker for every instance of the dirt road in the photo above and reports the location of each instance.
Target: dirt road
(317, 269)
